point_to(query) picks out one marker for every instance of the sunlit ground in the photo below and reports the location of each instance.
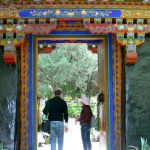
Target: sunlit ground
(102, 141)
(73, 139)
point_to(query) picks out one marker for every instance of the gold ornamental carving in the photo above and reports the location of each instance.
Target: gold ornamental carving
(9, 14)
(135, 13)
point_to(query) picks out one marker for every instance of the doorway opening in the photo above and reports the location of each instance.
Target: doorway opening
(73, 68)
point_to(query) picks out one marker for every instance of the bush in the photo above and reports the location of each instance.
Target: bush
(74, 109)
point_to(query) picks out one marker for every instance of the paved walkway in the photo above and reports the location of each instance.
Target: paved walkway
(72, 139)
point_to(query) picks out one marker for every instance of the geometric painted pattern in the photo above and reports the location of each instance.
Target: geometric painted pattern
(24, 98)
(117, 71)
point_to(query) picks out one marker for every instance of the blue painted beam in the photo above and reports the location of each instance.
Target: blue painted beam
(70, 13)
(65, 41)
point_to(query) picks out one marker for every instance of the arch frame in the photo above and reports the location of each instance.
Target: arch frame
(108, 74)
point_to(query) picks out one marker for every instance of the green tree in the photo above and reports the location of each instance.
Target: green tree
(71, 67)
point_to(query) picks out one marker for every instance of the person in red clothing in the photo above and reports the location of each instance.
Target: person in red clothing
(85, 122)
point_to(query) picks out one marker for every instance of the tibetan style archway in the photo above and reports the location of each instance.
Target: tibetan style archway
(114, 24)
(109, 55)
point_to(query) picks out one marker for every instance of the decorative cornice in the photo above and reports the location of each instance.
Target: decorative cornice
(74, 4)
(39, 29)
(117, 28)
(28, 28)
(15, 10)
(93, 28)
(70, 27)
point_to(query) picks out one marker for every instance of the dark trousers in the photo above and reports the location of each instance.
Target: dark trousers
(85, 134)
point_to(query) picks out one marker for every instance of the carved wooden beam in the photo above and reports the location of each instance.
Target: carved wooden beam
(117, 28)
(9, 52)
(46, 48)
(10, 43)
(93, 48)
(39, 29)
(10, 58)
(120, 30)
(28, 28)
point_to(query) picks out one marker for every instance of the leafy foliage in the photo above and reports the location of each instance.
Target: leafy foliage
(71, 68)
(74, 109)
(144, 145)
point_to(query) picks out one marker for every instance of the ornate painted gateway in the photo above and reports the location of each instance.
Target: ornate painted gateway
(30, 27)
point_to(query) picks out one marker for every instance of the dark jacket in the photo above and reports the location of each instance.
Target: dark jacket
(85, 116)
(56, 109)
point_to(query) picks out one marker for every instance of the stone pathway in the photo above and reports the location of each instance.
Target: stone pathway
(72, 139)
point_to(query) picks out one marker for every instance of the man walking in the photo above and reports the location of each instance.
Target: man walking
(57, 111)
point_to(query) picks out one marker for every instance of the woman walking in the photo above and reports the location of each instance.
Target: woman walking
(85, 122)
